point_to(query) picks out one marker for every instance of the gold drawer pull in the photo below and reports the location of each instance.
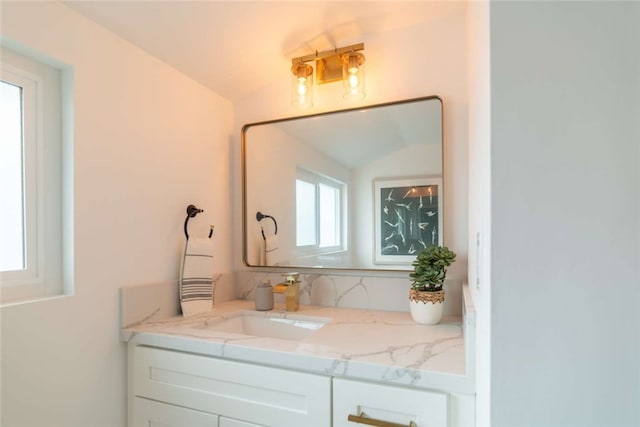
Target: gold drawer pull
(363, 419)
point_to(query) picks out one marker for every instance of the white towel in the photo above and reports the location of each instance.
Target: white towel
(196, 278)
(262, 251)
(271, 250)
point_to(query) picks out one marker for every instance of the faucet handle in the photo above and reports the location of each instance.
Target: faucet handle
(292, 277)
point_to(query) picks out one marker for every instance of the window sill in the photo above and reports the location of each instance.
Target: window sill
(31, 300)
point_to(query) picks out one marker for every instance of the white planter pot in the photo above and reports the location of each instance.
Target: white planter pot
(426, 311)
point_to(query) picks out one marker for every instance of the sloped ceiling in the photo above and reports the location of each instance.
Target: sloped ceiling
(379, 132)
(237, 47)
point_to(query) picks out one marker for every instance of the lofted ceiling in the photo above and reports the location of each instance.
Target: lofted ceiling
(359, 137)
(237, 47)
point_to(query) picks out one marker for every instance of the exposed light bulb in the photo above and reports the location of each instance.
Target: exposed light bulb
(353, 79)
(302, 86)
(353, 75)
(302, 89)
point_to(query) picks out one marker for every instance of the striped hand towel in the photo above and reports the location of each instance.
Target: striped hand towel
(196, 278)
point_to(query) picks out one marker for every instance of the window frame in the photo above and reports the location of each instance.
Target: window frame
(42, 105)
(317, 179)
(32, 197)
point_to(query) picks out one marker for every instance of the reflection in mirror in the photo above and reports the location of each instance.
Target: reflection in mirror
(353, 189)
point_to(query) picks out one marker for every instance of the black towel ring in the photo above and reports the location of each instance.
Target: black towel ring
(191, 212)
(260, 216)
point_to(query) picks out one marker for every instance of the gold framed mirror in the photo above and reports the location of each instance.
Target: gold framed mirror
(351, 189)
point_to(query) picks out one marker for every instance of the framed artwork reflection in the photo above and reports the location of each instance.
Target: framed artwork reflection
(407, 218)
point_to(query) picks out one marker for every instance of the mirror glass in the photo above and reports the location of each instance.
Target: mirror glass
(351, 189)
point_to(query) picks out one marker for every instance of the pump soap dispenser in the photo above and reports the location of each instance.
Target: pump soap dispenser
(264, 296)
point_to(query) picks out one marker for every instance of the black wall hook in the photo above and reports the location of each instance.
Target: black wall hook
(260, 216)
(191, 212)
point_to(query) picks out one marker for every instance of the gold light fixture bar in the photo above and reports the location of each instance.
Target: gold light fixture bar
(331, 52)
(328, 62)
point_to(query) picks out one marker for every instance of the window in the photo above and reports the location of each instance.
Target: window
(318, 213)
(31, 244)
(329, 209)
(306, 213)
(12, 220)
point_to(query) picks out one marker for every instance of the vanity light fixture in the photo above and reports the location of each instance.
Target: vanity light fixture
(344, 63)
(302, 85)
(353, 75)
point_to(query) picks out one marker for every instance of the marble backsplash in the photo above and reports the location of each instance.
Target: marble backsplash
(151, 302)
(155, 301)
(349, 291)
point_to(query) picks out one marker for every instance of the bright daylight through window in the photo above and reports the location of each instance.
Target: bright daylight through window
(318, 213)
(12, 230)
(31, 182)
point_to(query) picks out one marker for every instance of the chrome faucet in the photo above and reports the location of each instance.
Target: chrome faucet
(290, 288)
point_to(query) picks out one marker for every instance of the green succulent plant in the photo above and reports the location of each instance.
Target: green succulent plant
(430, 268)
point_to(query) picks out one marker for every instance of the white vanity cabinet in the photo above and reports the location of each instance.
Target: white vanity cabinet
(150, 413)
(170, 388)
(357, 403)
(257, 395)
(228, 422)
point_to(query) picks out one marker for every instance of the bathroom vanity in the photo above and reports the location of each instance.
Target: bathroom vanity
(318, 367)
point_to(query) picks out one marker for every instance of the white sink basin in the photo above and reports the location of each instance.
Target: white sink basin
(293, 328)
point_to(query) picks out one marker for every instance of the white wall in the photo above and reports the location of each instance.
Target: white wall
(565, 190)
(427, 59)
(148, 141)
(478, 63)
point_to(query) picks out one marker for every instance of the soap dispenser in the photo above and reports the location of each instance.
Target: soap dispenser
(264, 296)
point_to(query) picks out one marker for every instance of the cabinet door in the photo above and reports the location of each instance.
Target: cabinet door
(265, 396)
(374, 402)
(148, 413)
(228, 422)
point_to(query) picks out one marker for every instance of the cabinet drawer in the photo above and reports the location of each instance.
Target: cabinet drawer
(227, 422)
(387, 403)
(256, 394)
(148, 413)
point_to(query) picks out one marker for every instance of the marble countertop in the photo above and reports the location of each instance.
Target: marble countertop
(381, 346)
